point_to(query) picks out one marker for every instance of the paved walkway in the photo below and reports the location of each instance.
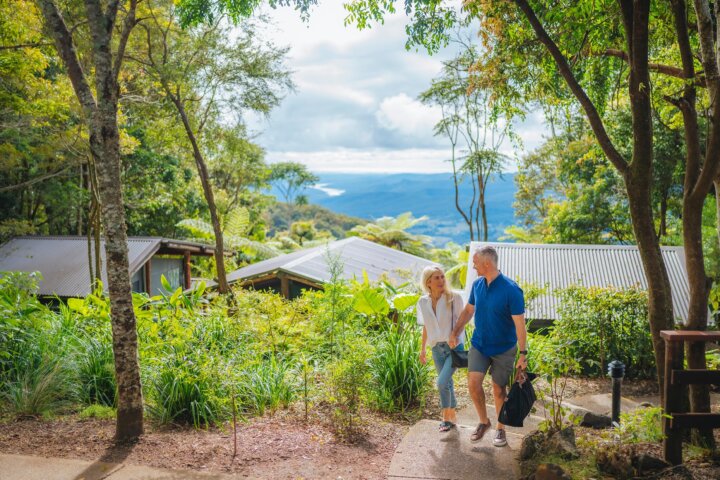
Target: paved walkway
(425, 453)
(22, 467)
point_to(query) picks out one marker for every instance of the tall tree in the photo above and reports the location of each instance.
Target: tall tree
(205, 75)
(291, 178)
(100, 108)
(475, 127)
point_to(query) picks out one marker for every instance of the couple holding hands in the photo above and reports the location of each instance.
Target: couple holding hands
(498, 306)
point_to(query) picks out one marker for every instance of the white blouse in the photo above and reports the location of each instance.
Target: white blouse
(439, 324)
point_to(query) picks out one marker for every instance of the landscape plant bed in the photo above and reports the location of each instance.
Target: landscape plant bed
(278, 446)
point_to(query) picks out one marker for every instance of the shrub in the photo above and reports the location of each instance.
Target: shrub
(398, 378)
(604, 324)
(347, 384)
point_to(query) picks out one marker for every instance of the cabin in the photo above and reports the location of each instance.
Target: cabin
(63, 262)
(294, 272)
(560, 266)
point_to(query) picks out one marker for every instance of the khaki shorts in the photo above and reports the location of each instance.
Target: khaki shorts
(501, 366)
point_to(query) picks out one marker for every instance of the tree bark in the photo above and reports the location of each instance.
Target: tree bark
(101, 119)
(694, 194)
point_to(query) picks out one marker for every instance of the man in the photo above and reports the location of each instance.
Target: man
(499, 308)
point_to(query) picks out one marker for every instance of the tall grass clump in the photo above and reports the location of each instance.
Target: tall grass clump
(36, 391)
(398, 378)
(184, 391)
(347, 385)
(267, 385)
(96, 372)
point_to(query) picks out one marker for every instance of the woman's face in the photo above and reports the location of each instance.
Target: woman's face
(436, 282)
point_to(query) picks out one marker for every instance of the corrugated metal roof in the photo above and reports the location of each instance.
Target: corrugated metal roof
(355, 253)
(560, 266)
(63, 261)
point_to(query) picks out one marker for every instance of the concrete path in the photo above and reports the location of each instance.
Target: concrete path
(22, 467)
(425, 453)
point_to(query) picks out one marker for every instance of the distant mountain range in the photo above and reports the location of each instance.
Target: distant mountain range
(373, 195)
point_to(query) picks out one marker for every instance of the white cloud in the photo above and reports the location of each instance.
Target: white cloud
(377, 160)
(407, 116)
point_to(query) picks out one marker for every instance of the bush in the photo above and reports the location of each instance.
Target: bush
(604, 324)
(398, 378)
(347, 384)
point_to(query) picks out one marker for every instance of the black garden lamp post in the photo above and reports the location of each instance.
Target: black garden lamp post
(616, 370)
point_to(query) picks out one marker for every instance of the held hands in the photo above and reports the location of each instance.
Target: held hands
(452, 341)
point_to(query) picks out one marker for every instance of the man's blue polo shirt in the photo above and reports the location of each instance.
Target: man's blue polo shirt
(494, 307)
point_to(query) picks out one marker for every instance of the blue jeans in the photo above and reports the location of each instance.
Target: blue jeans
(443, 366)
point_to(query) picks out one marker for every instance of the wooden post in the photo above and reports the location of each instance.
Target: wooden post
(186, 269)
(284, 285)
(147, 277)
(672, 444)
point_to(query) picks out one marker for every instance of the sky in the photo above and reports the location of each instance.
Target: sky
(355, 106)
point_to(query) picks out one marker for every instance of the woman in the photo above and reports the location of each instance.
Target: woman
(437, 312)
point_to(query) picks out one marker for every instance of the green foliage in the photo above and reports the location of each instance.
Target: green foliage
(38, 389)
(280, 216)
(392, 232)
(604, 324)
(642, 425)
(267, 386)
(399, 381)
(96, 372)
(291, 179)
(347, 381)
(101, 412)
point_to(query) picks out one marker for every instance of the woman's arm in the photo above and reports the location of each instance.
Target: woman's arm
(423, 346)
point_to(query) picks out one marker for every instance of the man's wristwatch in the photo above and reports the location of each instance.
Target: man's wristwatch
(523, 352)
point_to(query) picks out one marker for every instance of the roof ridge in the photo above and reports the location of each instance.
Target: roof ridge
(313, 254)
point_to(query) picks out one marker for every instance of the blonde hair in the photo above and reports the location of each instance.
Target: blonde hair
(427, 273)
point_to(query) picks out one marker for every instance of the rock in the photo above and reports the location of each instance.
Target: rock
(615, 463)
(532, 444)
(550, 471)
(590, 419)
(645, 463)
(563, 443)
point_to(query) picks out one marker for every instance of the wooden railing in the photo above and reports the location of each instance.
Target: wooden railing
(675, 378)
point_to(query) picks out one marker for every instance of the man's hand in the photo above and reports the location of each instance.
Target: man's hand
(522, 362)
(423, 358)
(452, 341)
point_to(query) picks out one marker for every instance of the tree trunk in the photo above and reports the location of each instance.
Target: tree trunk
(223, 286)
(660, 311)
(101, 119)
(717, 209)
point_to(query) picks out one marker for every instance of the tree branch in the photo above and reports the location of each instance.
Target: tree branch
(593, 116)
(64, 45)
(657, 67)
(128, 25)
(25, 45)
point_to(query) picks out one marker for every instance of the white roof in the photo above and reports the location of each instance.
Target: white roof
(356, 255)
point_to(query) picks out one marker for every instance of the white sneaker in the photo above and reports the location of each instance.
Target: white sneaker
(500, 440)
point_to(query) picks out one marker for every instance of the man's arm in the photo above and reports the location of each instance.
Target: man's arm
(521, 332)
(463, 319)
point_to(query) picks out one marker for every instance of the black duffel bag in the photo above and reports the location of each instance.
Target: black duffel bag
(519, 401)
(459, 358)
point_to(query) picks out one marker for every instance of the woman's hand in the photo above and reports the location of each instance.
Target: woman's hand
(423, 358)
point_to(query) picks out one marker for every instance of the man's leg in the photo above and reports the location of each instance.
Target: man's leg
(475, 385)
(477, 368)
(499, 393)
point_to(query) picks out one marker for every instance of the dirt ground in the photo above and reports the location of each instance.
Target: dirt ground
(276, 446)
(279, 446)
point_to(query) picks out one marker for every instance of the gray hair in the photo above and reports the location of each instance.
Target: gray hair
(488, 252)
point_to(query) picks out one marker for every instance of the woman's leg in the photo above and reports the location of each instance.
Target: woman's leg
(445, 383)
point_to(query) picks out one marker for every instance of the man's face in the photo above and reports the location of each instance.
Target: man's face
(482, 265)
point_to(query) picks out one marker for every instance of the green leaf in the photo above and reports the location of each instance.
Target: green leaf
(165, 284)
(370, 302)
(404, 301)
